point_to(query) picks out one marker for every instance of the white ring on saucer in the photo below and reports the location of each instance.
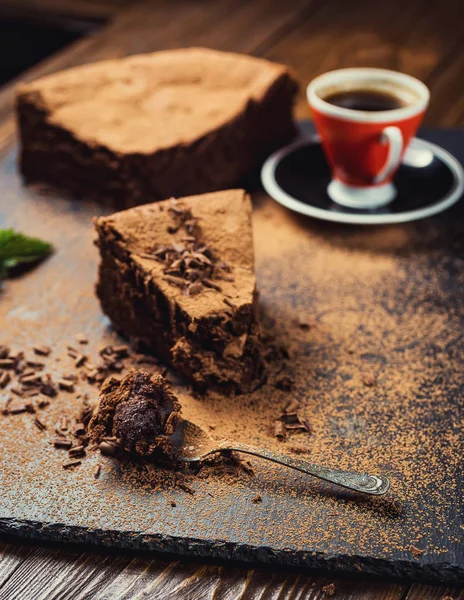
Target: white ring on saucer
(275, 191)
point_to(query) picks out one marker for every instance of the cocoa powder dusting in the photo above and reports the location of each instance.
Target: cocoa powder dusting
(375, 374)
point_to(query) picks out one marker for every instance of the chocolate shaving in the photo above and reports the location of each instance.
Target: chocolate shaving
(16, 407)
(7, 363)
(48, 388)
(31, 379)
(62, 443)
(121, 351)
(80, 360)
(35, 364)
(66, 384)
(229, 302)
(40, 426)
(292, 407)
(42, 350)
(97, 472)
(71, 463)
(279, 430)
(79, 429)
(191, 260)
(416, 551)
(81, 338)
(76, 451)
(72, 352)
(108, 448)
(5, 379)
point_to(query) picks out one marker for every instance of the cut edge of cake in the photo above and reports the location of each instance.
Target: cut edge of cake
(210, 336)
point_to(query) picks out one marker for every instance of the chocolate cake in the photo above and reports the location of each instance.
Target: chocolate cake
(139, 411)
(147, 127)
(178, 277)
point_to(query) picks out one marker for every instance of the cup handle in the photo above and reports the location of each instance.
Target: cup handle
(393, 137)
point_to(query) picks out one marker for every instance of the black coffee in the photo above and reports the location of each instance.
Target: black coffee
(370, 100)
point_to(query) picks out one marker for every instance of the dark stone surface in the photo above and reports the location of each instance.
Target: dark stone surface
(51, 304)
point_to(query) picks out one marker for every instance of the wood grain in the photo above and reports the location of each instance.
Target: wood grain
(49, 573)
(428, 592)
(93, 10)
(412, 37)
(419, 37)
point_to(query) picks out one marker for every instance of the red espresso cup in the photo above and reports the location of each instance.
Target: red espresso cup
(364, 147)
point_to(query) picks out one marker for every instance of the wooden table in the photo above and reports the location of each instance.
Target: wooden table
(312, 36)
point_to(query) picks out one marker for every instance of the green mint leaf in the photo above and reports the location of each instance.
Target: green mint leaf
(16, 248)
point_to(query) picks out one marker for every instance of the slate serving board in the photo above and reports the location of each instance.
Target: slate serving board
(386, 302)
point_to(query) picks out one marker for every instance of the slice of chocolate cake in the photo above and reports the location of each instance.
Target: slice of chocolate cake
(178, 276)
(147, 127)
(139, 411)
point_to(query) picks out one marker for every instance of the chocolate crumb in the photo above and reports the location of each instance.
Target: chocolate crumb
(173, 503)
(285, 383)
(416, 551)
(42, 350)
(256, 499)
(369, 381)
(329, 590)
(71, 463)
(303, 322)
(97, 472)
(195, 288)
(43, 403)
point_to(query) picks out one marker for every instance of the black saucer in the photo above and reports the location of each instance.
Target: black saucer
(297, 176)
